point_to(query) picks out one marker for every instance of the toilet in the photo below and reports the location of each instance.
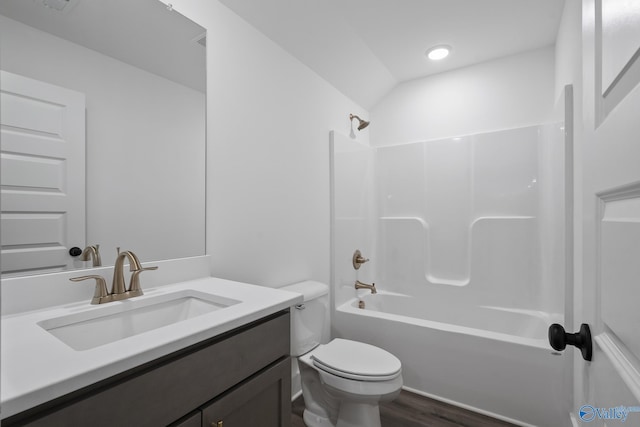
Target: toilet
(342, 381)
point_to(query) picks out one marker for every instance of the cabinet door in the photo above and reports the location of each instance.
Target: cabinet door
(264, 400)
(191, 420)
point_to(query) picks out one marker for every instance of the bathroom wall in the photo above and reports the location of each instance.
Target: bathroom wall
(509, 92)
(115, 153)
(268, 119)
(473, 211)
(568, 55)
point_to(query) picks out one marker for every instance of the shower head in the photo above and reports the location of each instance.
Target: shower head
(361, 123)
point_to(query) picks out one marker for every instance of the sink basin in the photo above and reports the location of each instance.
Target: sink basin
(116, 321)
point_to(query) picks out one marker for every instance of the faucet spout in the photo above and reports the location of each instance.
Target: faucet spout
(371, 287)
(92, 252)
(118, 284)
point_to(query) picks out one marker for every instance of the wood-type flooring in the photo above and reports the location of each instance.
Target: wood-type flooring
(412, 410)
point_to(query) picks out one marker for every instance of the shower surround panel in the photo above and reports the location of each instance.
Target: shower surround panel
(471, 212)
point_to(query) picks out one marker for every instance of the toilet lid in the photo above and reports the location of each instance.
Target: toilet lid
(356, 360)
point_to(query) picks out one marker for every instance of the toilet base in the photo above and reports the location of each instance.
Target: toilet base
(313, 420)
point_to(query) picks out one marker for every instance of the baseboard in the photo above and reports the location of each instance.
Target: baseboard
(468, 407)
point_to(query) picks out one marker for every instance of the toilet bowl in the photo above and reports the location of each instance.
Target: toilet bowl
(349, 378)
(342, 381)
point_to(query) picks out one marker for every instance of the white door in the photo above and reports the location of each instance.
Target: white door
(607, 389)
(43, 170)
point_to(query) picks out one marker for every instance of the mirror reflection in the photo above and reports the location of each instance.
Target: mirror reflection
(103, 133)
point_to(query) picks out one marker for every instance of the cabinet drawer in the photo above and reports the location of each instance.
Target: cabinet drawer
(264, 400)
(162, 392)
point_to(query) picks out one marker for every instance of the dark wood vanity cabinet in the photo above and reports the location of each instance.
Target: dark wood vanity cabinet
(241, 378)
(262, 401)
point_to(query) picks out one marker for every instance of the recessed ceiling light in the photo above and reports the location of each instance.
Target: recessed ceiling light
(437, 53)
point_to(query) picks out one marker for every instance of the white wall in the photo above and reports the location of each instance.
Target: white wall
(145, 180)
(268, 118)
(568, 53)
(509, 92)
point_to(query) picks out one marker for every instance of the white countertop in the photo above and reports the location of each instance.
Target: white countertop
(38, 367)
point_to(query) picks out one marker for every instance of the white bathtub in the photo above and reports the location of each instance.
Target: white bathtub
(489, 359)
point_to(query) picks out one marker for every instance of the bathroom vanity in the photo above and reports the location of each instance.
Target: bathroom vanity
(227, 367)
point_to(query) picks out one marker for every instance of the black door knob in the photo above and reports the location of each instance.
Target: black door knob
(559, 339)
(75, 251)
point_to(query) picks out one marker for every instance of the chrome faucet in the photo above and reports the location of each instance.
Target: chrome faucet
(371, 287)
(92, 252)
(118, 290)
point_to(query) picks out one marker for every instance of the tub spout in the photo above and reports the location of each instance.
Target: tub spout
(371, 287)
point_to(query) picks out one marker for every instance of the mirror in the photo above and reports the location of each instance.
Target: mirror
(140, 69)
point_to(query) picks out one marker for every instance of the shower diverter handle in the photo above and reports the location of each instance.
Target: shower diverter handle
(358, 259)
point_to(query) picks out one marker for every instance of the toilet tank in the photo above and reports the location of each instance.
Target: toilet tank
(307, 319)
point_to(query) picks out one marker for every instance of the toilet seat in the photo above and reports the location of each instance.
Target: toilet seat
(356, 360)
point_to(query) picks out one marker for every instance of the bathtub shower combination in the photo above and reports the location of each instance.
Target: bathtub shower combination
(465, 237)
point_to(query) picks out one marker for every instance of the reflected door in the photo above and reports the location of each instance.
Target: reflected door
(43, 170)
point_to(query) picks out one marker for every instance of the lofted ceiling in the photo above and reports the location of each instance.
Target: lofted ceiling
(366, 47)
(143, 33)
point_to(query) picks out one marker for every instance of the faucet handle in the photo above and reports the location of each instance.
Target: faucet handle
(100, 295)
(134, 285)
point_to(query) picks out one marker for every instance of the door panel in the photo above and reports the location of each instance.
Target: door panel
(43, 169)
(620, 38)
(618, 247)
(620, 269)
(611, 214)
(617, 31)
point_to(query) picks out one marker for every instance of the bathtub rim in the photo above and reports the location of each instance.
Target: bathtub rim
(351, 307)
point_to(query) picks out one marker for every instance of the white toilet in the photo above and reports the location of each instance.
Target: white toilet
(342, 381)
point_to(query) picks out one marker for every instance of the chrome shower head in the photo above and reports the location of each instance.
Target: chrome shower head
(361, 123)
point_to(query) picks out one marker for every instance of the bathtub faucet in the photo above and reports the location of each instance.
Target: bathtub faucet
(372, 287)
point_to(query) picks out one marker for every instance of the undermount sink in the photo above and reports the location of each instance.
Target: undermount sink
(116, 321)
